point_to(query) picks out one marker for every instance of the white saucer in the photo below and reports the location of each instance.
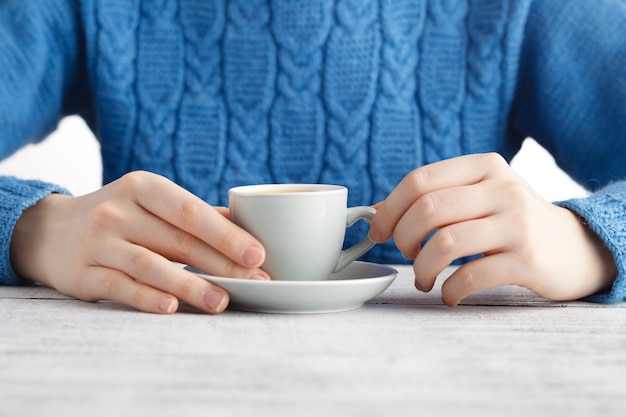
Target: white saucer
(345, 290)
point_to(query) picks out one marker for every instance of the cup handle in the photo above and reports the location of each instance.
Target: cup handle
(349, 255)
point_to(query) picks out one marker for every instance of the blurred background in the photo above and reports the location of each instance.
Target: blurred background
(70, 157)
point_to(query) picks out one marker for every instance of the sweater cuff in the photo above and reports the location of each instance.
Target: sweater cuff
(605, 214)
(17, 195)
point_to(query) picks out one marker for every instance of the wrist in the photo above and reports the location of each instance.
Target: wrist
(28, 239)
(604, 261)
(586, 261)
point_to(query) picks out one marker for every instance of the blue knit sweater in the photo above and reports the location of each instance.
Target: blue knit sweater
(215, 93)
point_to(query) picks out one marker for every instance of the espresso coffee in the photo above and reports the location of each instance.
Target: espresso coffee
(281, 191)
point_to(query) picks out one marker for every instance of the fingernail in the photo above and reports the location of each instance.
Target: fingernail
(253, 256)
(215, 300)
(167, 305)
(260, 277)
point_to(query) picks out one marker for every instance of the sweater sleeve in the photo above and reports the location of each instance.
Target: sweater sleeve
(41, 69)
(39, 58)
(571, 98)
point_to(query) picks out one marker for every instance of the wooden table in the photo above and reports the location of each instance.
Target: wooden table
(502, 352)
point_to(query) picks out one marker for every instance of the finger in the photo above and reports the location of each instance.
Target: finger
(223, 211)
(156, 271)
(189, 213)
(478, 275)
(117, 286)
(180, 246)
(456, 241)
(439, 209)
(464, 170)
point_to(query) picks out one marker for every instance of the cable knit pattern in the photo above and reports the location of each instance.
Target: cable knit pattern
(298, 120)
(442, 78)
(396, 129)
(116, 23)
(160, 56)
(486, 22)
(201, 136)
(351, 75)
(250, 67)
(216, 93)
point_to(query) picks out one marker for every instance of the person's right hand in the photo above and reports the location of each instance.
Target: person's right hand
(119, 242)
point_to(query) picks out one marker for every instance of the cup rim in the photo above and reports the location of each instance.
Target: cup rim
(278, 189)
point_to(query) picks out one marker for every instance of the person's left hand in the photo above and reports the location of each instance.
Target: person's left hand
(477, 204)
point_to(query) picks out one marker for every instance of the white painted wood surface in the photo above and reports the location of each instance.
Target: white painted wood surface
(503, 352)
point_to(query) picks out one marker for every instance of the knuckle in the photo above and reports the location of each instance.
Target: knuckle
(418, 179)
(495, 161)
(138, 298)
(186, 288)
(515, 192)
(133, 180)
(189, 211)
(383, 212)
(105, 214)
(231, 269)
(139, 264)
(408, 249)
(229, 239)
(429, 206)
(467, 278)
(110, 286)
(445, 241)
(183, 243)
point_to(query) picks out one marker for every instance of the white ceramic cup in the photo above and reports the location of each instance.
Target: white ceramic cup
(301, 226)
